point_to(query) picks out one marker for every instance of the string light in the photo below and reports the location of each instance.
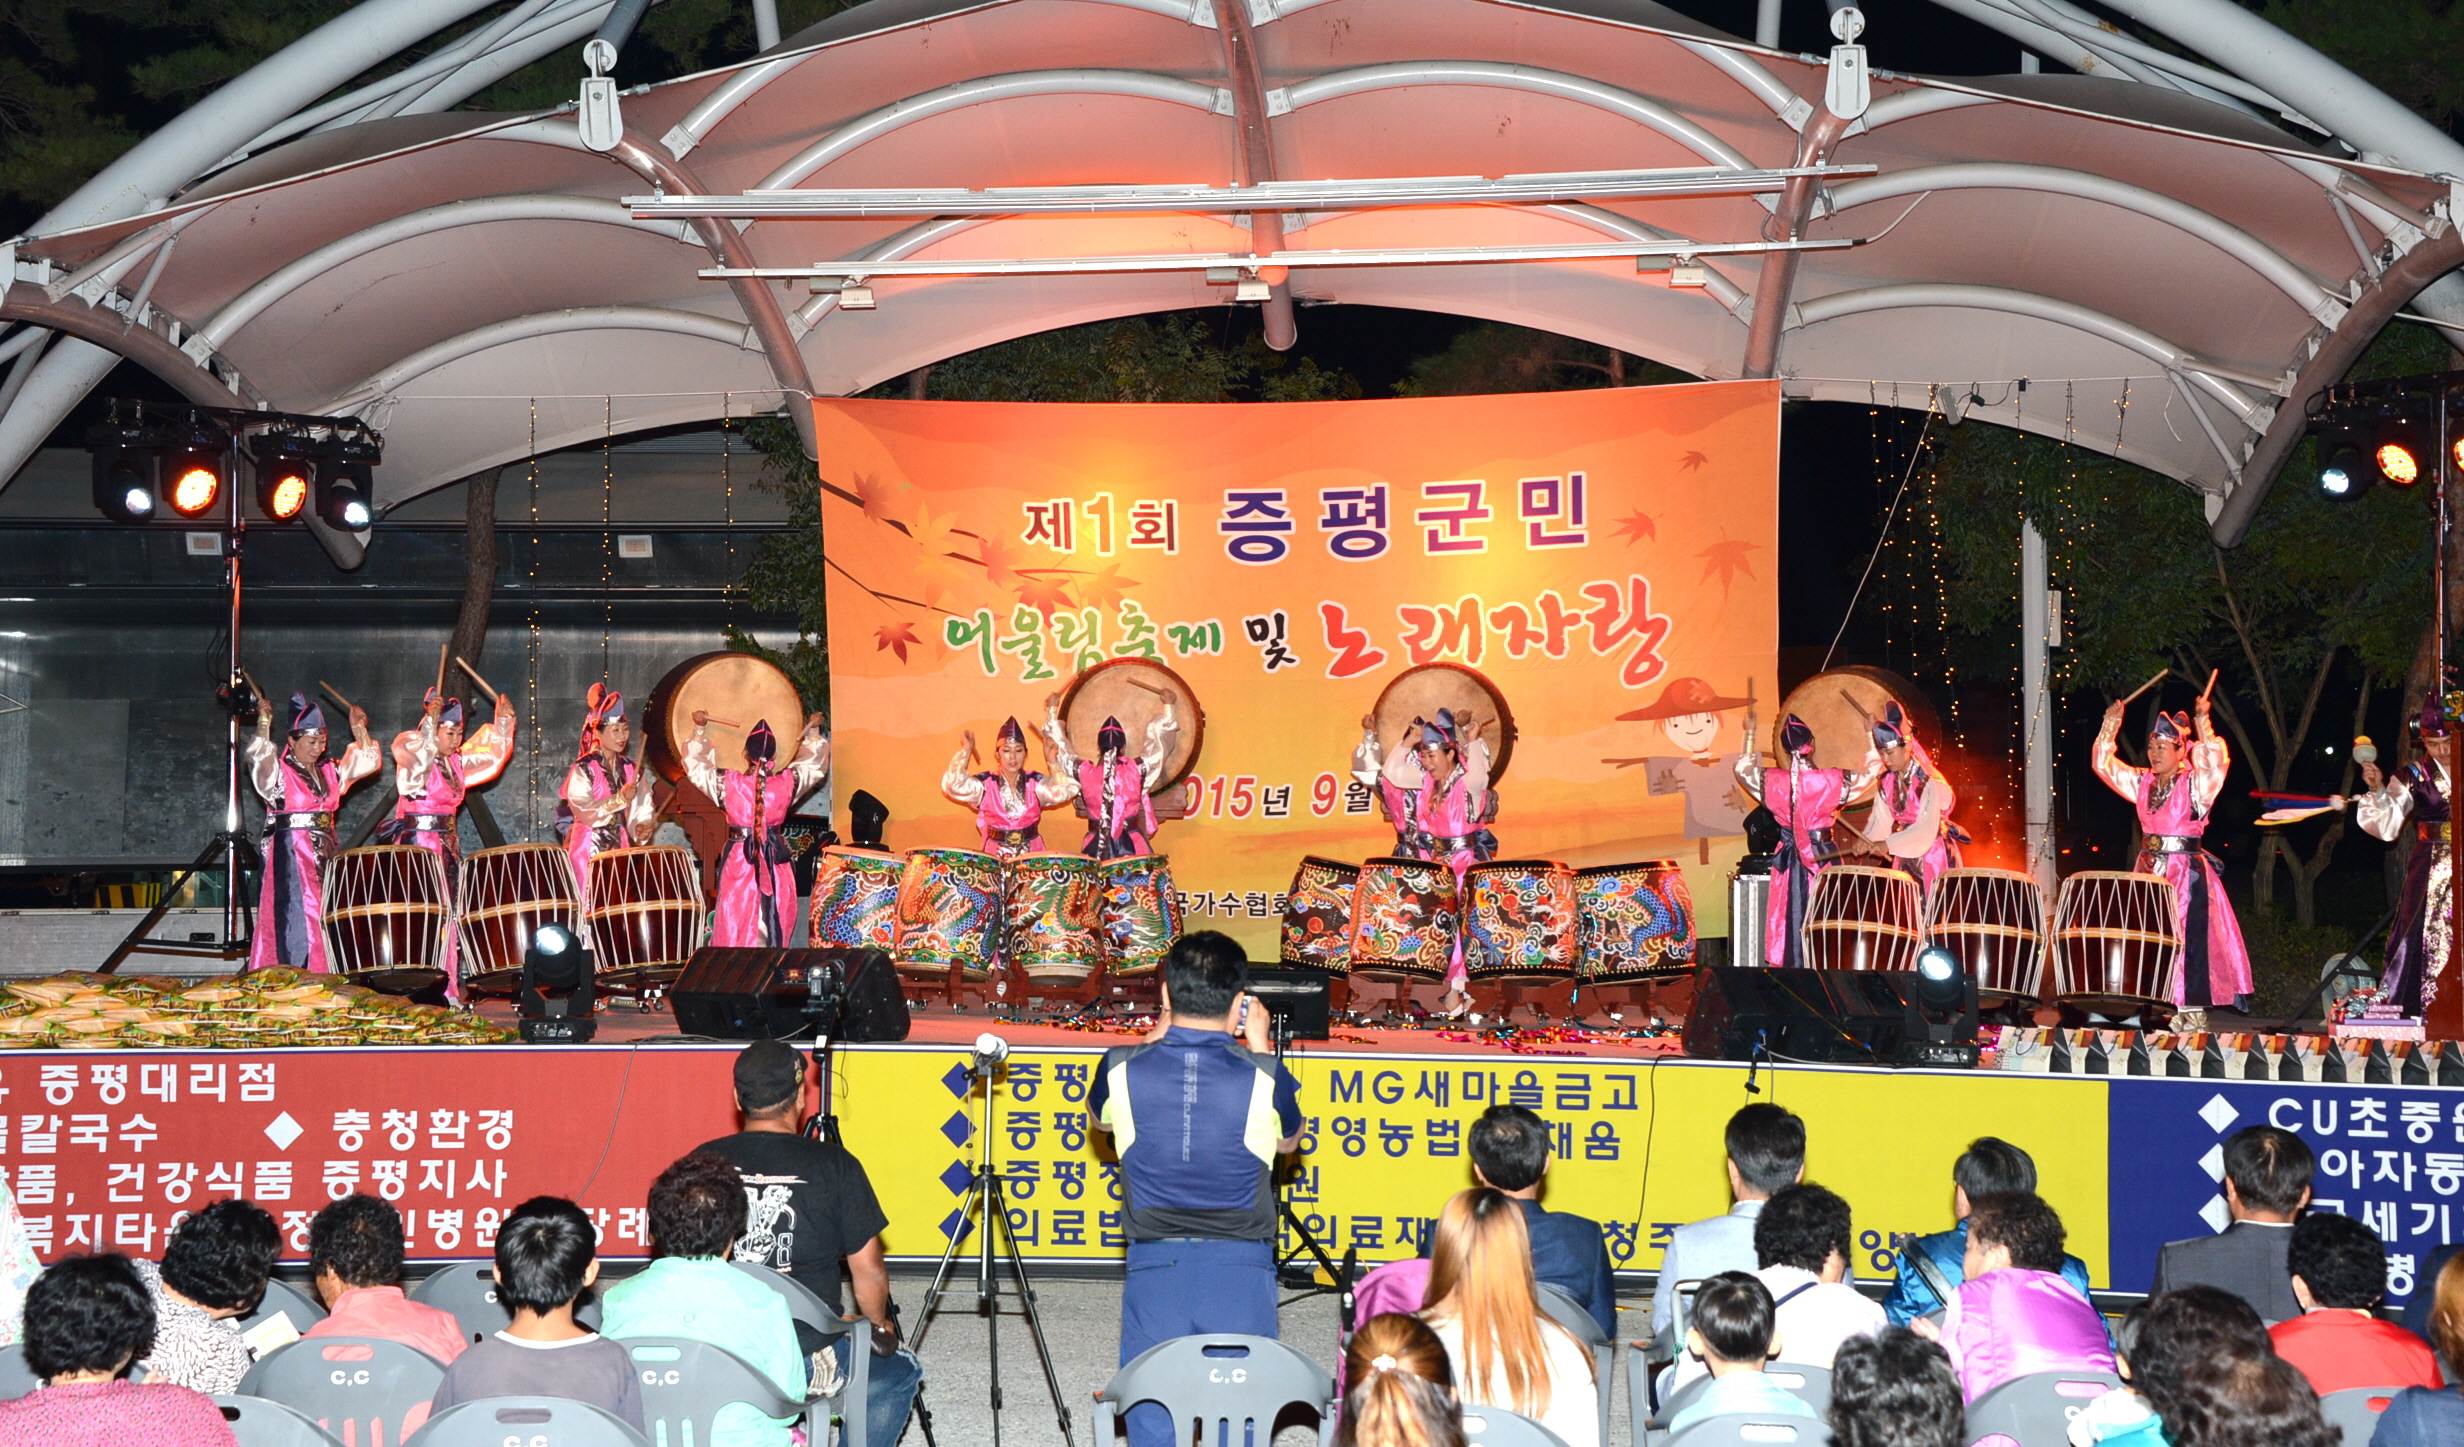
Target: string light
(607, 539)
(531, 809)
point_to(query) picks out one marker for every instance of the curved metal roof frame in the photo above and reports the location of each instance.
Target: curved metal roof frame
(2139, 257)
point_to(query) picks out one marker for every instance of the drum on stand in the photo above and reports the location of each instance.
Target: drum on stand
(1864, 918)
(1420, 692)
(1133, 690)
(645, 918)
(506, 894)
(1317, 915)
(1993, 922)
(2116, 942)
(1518, 921)
(1140, 913)
(738, 687)
(386, 916)
(1053, 917)
(1404, 919)
(1840, 705)
(1636, 921)
(950, 908)
(855, 897)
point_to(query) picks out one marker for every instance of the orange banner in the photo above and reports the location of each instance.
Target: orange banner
(1603, 558)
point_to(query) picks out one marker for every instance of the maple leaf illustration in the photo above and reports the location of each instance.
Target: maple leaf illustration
(1692, 462)
(1726, 560)
(882, 498)
(1000, 559)
(1043, 592)
(1638, 526)
(932, 534)
(1105, 589)
(896, 637)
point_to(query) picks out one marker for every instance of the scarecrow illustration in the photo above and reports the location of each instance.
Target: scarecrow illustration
(1689, 713)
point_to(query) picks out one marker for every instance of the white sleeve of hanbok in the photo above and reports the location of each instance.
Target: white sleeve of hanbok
(2209, 760)
(1367, 767)
(361, 760)
(1151, 756)
(264, 758)
(2105, 758)
(1476, 772)
(701, 766)
(414, 755)
(1919, 836)
(2381, 812)
(1061, 785)
(485, 755)
(958, 784)
(812, 762)
(588, 812)
(1749, 775)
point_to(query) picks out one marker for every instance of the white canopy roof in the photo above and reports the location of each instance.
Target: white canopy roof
(2148, 268)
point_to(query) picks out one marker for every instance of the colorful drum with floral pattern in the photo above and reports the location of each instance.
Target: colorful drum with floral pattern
(950, 906)
(1636, 921)
(1141, 912)
(1518, 921)
(1317, 915)
(855, 898)
(1404, 919)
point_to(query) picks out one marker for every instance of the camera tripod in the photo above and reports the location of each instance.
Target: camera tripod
(1288, 1271)
(987, 1206)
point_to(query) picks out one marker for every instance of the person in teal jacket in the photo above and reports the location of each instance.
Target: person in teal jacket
(1990, 1166)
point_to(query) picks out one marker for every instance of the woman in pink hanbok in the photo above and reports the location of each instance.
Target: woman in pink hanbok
(1911, 817)
(1120, 813)
(1806, 801)
(757, 880)
(1009, 801)
(605, 802)
(302, 788)
(1438, 798)
(2184, 774)
(434, 768)
(2013, 1315)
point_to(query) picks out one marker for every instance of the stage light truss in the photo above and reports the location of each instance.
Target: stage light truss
(1230, 268)
(185, 456)
(793, 204)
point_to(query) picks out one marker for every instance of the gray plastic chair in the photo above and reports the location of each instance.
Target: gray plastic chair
(257, 1422)
(16, 1378)
(1559, 1305)
(2356, 1409)
(1222, 1382)
(530, 1421)
(1749, 1429)
(1811, 1385)
(1497, 1427)
(2035, 1410)
(283, 1298)
(364, 1390)
(685, 1382)
(468, 1290)
(808, 1309)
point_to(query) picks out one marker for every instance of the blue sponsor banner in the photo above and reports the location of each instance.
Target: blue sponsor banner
(2389, 1156)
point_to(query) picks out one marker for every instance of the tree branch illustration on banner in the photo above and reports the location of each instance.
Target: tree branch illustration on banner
(880, 499)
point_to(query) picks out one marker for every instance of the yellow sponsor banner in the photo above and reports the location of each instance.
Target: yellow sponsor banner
(1638, 1145)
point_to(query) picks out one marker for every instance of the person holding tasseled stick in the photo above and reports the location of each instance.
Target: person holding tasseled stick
(435, 768)
(605, 802)
(2423, 791)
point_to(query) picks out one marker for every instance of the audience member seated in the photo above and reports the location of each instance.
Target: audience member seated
(811, 1210)
(1895, 1389)
(2432, 1416)
(87, 1320)
(2205, 1364)
(213, 1272)
(1803, 1239)
(1481, 1305)
(2120, 1417)
(1731, 1332)
(1989, 1167)
(697, 1214)
(2339, 1271)
(2416, 1310)
(2266, 1183)
(1510, 1153)
(1766, 1151)
(2015, 1315)
(355, 1249)
(545, 1260)
(1403, 1388)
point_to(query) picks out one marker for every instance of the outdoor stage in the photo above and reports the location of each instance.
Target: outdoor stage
(106, 1149)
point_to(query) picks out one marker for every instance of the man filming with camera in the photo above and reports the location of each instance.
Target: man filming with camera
(1199, 1111)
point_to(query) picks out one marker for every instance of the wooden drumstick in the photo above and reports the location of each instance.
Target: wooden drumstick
(2151, 683)
(1860, 708)
(2211, 685)
(329, 688)
(726, 723)
(465, 666)
(441, 650)
(1154, 688)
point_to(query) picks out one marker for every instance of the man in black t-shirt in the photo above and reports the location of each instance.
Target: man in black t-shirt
(811, 1209)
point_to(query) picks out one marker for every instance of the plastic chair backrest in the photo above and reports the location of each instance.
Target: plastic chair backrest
(685, 1382)
(2356, 1410)
(1222, 1382)
(1497, 1427)
(803, 1303)
(16, 1378)
(468, 1290)
(2035, 1410)
(1559, 1306)
(284, 1299)
(1748, 1429)
(256, 1422)
(528, 1421)
(808, 1309)
(1810, 1385)
(366, 1391)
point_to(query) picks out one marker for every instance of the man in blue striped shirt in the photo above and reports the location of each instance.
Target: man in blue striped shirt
(1198, 1117)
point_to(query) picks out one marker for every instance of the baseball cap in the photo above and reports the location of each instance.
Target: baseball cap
(767, 1072)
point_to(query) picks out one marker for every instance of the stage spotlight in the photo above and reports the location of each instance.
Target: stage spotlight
(2399, 451)
(284, 478)
(124, 484)
(1938, 980)
(346, 494)
(195, 479)
(2344, 470)
(559, 989)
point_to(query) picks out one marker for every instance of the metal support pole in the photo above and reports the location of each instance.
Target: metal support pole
(2036, 702)
(2444, 1018)
(1767, 24)
(233, 533)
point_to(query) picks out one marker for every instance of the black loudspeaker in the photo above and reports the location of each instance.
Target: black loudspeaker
(1837, 1017)
(757, 994)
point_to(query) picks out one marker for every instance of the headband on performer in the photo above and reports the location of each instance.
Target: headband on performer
(1438, 733)
(1795, 737)
(453, 709)
(599, 706)
(1891, 730)
(761, 745)
(1011, 733)
(2174, 726)
(1111, 738)
(305, 715)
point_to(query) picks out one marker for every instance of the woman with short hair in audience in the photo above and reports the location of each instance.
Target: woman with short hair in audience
(2015, 1315)
(1484, 1307)
(1895, 1389)
(213, 1273)
(2204, 1362)
(87, 1321)
(1402, 1387)
(2422, 1416)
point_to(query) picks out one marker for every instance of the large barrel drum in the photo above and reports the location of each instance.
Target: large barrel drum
(740, 688)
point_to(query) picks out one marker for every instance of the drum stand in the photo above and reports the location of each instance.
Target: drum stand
(987, 1206)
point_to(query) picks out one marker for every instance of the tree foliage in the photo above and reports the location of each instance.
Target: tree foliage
(1498, 357)
(1176, 357)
